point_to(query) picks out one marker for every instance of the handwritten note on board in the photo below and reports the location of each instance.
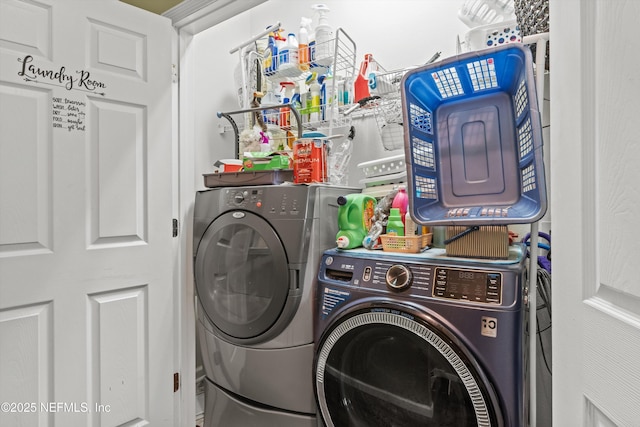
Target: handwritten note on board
(68, 114)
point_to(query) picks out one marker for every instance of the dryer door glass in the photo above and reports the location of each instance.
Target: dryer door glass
(377, 368)
(242, 275)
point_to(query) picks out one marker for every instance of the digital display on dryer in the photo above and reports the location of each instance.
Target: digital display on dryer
(468, 285)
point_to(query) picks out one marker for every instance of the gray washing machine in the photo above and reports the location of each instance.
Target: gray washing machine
(256, 257)
(421, 339)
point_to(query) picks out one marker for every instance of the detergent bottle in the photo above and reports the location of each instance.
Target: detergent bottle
(355, 215)
(401, 202)
(270, 63)
(289, 53)
(395, 226)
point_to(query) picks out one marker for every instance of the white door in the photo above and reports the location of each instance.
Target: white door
(595, 157)
(86, 261)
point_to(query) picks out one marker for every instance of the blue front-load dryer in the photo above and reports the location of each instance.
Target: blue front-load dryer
(421, 340)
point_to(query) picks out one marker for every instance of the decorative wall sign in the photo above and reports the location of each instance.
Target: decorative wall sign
(81, 80)
(68, 114)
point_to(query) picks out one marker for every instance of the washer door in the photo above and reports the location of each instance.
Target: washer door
(242, 277)
(382, 367)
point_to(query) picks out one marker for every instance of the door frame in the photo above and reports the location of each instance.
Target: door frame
(188, 23)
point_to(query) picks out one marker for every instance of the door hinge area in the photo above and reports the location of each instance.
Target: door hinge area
(176, 382)
(174, 226)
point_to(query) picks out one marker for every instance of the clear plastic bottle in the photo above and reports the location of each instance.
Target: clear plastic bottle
(409, 225)
(323, 37)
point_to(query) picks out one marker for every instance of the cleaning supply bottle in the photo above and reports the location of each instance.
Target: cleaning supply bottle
(289, 53)
(323, 36)
(401, 201)
(270, 58)
(271, 112)
(280, 42)
(372, 75)
(395, 226)
(355, 214)
(305, 101)
(409, 225)
(286, 88)
(314, 90)
(327, 98)
(361, 84)
(304, 59)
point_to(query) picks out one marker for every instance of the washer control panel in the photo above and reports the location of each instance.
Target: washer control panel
(468, 285)
(268, 202)
(495, 285)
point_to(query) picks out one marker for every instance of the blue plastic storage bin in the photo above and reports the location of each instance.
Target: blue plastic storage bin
(473, 139)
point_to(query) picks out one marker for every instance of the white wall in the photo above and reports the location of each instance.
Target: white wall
(399, 34)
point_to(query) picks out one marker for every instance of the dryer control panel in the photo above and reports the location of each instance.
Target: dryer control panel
(468, 285)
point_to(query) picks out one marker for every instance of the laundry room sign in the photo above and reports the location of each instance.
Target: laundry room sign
(67, 113)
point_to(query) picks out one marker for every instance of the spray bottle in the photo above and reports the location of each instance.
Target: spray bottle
(323, 36)
(286, 88)
(314, 91)
(271, 116)
(304, 58)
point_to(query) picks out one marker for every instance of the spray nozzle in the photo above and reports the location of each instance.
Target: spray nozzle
(322, 10)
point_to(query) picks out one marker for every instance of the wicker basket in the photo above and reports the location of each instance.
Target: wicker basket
(410, 244)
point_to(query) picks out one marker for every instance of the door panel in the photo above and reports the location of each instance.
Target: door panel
(595, 207)
(86, 248)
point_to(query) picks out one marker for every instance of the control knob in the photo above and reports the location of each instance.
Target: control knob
(238, 198)
(398, 277)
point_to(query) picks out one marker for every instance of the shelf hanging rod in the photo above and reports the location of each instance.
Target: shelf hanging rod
(254, 38)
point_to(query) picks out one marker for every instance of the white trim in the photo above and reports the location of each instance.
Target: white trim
(194, 16)
(186, 190)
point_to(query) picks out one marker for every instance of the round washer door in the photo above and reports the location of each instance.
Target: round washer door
(242, 277)
(381, 367)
